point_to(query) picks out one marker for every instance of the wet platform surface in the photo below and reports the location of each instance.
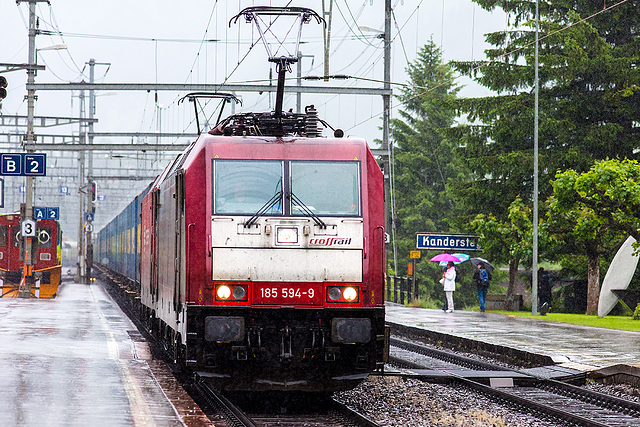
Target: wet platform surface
(77, 360)
(570, 345)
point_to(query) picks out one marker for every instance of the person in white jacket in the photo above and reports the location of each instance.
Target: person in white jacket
(449, 285)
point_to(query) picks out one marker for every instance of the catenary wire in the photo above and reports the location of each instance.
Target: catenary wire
(479, 67)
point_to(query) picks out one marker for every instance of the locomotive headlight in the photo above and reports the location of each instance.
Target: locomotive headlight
(231, 292)
(286, 235)
(334, 293)
(223, 292)
(343, 294)
(350, 294)
(239, 292)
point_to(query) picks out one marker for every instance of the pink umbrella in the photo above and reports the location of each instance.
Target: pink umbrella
(445, 257)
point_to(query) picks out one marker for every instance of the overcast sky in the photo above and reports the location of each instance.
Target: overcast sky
(190, 41)
(160, 41)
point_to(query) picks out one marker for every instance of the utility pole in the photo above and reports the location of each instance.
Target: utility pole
(80, 274)
(90, 205)
(386, 116)
(327, 14)
(298, 81)
(90, 201)
(29, 141)
(534, 273)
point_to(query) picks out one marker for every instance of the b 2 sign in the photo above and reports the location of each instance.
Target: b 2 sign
(23, 164)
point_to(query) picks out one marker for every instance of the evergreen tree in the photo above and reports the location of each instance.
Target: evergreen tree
(588, 99)
(424, 159)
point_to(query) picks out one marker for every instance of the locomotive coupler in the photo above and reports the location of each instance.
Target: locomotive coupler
(317, 344)
(286, 351)
(254, 341)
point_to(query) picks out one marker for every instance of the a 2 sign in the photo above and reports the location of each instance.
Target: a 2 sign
(28, 226)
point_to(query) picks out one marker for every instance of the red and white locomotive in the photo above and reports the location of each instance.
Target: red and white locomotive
(261, 251)
(262, 259)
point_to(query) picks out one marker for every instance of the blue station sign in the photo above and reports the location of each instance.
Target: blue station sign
(46, 213)
(447, 241)
(23, 164)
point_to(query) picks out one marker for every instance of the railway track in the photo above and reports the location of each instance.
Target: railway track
(547, 397)
(542, 397)
(224, 412)
(322, 412)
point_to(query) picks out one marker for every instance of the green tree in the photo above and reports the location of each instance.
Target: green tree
(423, 159)
(593, 209)
(506, 241)
(588, 100)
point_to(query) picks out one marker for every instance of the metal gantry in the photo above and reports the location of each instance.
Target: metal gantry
(122, 161)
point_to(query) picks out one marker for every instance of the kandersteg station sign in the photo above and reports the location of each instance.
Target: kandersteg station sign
(447, 241)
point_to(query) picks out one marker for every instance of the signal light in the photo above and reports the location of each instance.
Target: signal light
(3, 86)
(93, 191)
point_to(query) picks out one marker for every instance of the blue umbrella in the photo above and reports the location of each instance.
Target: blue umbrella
(461, 257)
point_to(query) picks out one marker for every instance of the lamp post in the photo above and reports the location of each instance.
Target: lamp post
(386, 118)
(534, 275)
(60, 46)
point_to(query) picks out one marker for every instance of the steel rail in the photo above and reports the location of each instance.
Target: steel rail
(467, 362)
(233, 415)
(549, 386)
(512, 399)
(353, 416)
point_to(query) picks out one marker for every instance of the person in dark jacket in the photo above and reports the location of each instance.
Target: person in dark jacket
(544, 290)
(482, 276)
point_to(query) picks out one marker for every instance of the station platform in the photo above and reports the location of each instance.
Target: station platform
(77, 360)
(576, 347)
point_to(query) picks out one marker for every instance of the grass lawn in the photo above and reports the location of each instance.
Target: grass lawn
(623, 323)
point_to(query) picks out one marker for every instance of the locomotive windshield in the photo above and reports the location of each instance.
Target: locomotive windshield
(326, 188)
(255, 187)
(244, 186)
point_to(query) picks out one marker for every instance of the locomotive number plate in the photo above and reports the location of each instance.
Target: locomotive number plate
(293, 294)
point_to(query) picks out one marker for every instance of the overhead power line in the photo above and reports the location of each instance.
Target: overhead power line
(127, 38)
(486, 64)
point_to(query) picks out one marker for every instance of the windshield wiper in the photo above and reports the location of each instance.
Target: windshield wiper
(263, 210)
(320, 223)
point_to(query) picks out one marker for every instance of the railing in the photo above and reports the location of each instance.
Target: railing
(401, 289)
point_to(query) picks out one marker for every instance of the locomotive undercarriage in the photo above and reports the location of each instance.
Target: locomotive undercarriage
(284, 349)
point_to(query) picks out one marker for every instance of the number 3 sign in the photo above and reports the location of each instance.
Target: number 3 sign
(28, 228)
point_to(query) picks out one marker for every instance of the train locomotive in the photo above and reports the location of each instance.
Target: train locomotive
(259, 255)
(46, 260)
